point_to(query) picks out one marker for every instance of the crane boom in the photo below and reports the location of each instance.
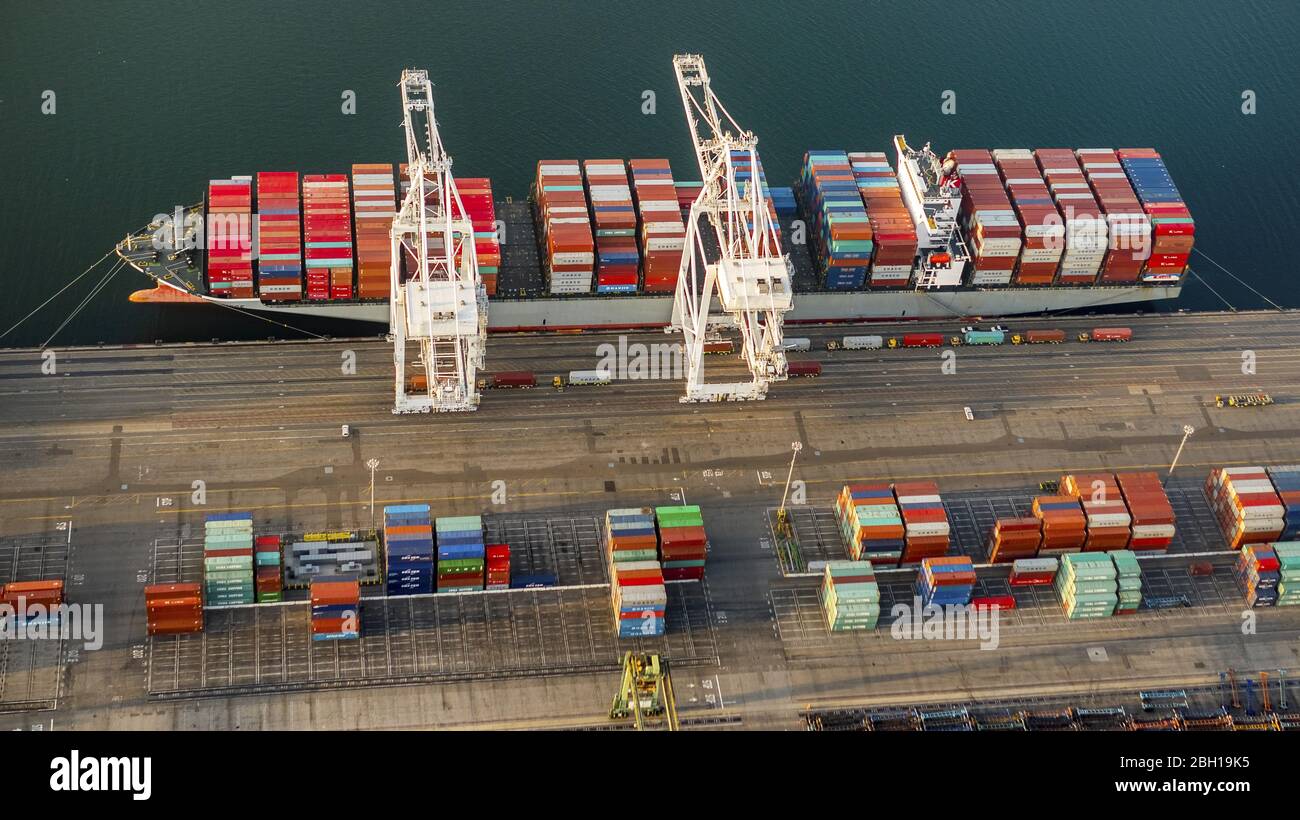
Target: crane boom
(752, 278)
(439, 303)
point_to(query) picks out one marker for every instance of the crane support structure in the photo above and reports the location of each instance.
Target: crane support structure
(439, 306)
(752, 277)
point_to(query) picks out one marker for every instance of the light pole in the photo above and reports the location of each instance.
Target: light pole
(373, 464)
(1187, 433)
(781, 520)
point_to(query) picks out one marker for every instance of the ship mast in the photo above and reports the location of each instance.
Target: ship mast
(440, 305)
(751, 278)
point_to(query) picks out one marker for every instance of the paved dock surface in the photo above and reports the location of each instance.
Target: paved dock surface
(123, 450)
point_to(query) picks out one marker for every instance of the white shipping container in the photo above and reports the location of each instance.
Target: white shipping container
(1266, 512)
(592, 377)
(665, 244)
(919, 499)
(573, 258)
(1262, 524)
(658, 205)
(929, 529)
(991, 278)
(1109, 520)
(560, 169)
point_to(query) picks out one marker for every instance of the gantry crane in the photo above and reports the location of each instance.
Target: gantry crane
(440, 304)
(645, 692)
(751, 279)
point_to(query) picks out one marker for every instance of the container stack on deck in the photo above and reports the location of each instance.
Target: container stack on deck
(1246, 505)
(893, 232)
(1128, 581)
(476, 197)
(991, 223)
(1040, 221)
(335, 609)
(744, 170)
(1128, 226)
(1172, 227)
(839, 220)
(630, 535)
(946, 581)
(408, 545)
(1087, 585)
(268, 556)
(228, 559)
(1107, 515)
(498, 566)
(617, 259)
(230, 250)
(683, 545)
(1014, 538)
(374, 198)
(660, 227)
(1065, 528)
(850, 596)
(568, 249)
(461, 553)
(1085, 228)
(871, 523)
(640, 598)
(279, 237)
(925, 520)
(1152, 514)
(173, 609)
(327, 229)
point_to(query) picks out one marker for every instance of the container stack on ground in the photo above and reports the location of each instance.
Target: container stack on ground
(1128, 581)
(843, 245)
(640, 598)
(630, 535)
(1014, 538)
(335, 609)
(173, 609)
(568, 249)
(327, 229)
(32, 602)
(461, 553)
(1087, 585)
(1246, 505)
(476, 198)
(1258, 573)
(408, 547)
(1128, 226)
(893, 232)
(319, 554)
(1040, 222)
(230, 251)
(925, 521)
(268, 558)
(1085, 228)
(850, 596)
(1065, 527)
(228, 559)
(1148, 505)
(991, 223)
(1286, 482)
(1107, 516)
(660, 227)
(498, 566)
(683, 545)
(946, 581)
(1172, 228)
(614, 220)
(374, 198)
(1031, 572)
(279, 237)
(871, 523)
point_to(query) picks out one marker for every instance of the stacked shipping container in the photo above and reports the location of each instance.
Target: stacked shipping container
(1107, 516)
(476, 199)
(1127, 226)
(1064, 524)
(279, 237)
(925, 521)
(32, 602)
(1014, 538)
(498, 566)
(745, 166)
(1286, 481)
(660, 227)
(1085, 228)
(1152, 514)
(991, 224)
(839, 220)
(1172, 227)
(228, 576)
(614, 217)
(268, 557)
(568, 249)
(1246, 505)
(1087, 585)
(894, 242)
(630, 535)
(229, 237)
(1028, 572)
(1040, 221)
(408, 546)
(327, 229)
(335, 609)
(871, 522)
(1128, 581)
(173, 609)
(461, 553)
(640, 598)
(850, 596)
(682, 542)
(1258, 573)
(946, 581)
(374, 198)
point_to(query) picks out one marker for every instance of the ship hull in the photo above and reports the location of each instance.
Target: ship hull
(649, 312)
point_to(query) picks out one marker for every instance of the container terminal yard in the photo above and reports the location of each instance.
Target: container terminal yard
(106, 461)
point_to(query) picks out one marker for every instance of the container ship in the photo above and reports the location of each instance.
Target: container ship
(908, 234)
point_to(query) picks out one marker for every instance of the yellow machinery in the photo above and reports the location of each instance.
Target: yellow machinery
(1244, 400)
(645, 693)
(558, 383)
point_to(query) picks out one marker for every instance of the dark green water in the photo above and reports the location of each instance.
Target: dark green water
(154, 99)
